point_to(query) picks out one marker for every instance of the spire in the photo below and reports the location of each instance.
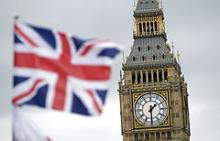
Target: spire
(147, 5)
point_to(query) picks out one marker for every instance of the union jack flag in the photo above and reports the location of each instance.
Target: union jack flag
(55, 70)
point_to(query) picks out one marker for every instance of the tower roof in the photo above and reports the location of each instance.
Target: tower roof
(147, 5)
(147, 8)
(149, 50)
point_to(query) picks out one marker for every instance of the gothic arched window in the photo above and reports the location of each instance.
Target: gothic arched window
(134, 58)
(133, 78)
(169, 135)
(139, 49)
(158, 135)
(148, 27)
(144, 77)
(147, 136)
(152, 26)
(154, 57)
(160, 76)
(143, 58)
(163, 135)
(140, 28)
(139, 77)
(165, 75)
(155, 26)
(144, 27)
(155, 76)
(149, 77)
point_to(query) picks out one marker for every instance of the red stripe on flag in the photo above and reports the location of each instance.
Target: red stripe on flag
(59, 98)
(87, 49)
(92, 45)
(30, 91)
(86, 72)
(66, 55)
(95, 103)
(98, 73)
(24, 36)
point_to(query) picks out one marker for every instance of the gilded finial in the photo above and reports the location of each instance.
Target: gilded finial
(123, 58)
(161, 4)
(178, 56)
(172, 46)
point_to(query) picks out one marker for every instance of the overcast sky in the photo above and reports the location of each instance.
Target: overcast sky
(193, 26)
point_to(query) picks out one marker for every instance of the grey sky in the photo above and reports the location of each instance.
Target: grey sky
(193, 26)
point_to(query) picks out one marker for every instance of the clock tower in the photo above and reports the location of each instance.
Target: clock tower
(152, 90)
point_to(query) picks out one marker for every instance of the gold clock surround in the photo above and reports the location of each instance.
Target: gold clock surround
(136, 96)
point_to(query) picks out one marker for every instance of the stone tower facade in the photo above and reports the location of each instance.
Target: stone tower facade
(152, 90)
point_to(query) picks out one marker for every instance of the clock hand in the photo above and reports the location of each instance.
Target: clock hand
(151, 115)
(151, 112)
(151, 118)
(152, 107)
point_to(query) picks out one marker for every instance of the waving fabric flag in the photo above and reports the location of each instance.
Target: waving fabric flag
(24, 129)
(58, 71)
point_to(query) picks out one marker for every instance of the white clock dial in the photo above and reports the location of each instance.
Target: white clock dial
(151, 109)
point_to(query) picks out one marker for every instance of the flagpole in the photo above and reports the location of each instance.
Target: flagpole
(24, 129)
(16, 17)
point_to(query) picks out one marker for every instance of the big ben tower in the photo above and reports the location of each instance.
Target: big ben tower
(153, 92)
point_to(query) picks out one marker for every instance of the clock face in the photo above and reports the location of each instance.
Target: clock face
(151, 109)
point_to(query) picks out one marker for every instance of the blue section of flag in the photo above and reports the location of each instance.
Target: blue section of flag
(102, 94)
(40, 98)
(79, 107)
(16, 39)
(19, 79)
(47, 35)
(109, 52)
(78, 42)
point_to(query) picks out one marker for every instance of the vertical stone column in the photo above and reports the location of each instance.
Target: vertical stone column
(158, 76)
(136, 77)
(163, 74)
(166, 135)
(152, 76)
(150, 136)
(141, 76)
(147, 80)
(160, 137)
(154, 137)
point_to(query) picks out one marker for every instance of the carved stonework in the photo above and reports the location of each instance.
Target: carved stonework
(153, 93)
